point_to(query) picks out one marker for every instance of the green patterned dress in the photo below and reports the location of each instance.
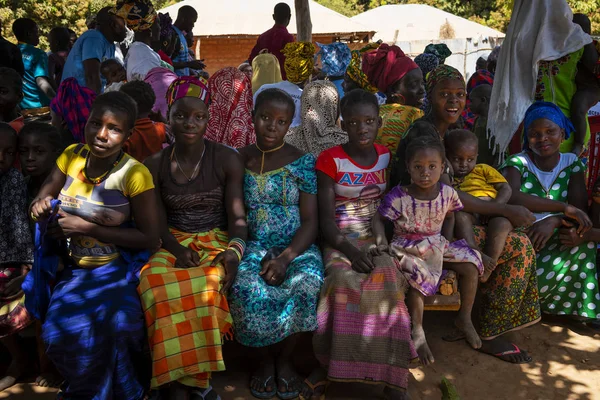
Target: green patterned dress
(567, 277)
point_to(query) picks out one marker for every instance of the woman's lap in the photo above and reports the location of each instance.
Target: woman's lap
(509, 299)
(264, 315)
(568, 279)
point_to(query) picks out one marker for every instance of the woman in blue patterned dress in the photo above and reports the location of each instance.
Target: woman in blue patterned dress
(276, 290)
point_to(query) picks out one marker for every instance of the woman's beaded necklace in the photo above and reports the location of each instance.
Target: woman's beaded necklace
(189, 179)
(104, 175)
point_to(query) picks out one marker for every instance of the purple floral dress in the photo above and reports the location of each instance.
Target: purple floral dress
(418, 244)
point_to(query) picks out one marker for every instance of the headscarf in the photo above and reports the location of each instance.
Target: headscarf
(166, 26)
(550, 111)
(355, 68)
(318, 131)
(230, 110)
(543, 32)
(265, 70)
(335, 58)
(442, 72)
(299, 61)
(440, 50)
(480, 77)
(160, 79)
(188, 86)
(427, 62)
(139, 15)
(386, 66)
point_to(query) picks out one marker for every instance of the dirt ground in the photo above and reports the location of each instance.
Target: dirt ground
(566, 366)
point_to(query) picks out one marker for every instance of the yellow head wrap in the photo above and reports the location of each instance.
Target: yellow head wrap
(299, 61)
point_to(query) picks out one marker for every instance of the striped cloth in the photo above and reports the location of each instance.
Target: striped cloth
(186, 316)
(73, 104)
(396, 120)
(364, 326)
(94, 331)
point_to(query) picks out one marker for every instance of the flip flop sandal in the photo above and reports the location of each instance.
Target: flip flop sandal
(288, 395)
(200, 394)
(516, 350)
(265, 394)
(315, 386)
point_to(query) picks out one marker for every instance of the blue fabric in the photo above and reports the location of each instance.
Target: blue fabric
(35, 62)
(335, 58)
(95, 331)
(550, 111)
(264, 314)
(46, 257)
(182, 54)
(91, 45)
(338, 85)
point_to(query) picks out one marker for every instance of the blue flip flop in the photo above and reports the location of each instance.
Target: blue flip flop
(265, 394)
(288, 395)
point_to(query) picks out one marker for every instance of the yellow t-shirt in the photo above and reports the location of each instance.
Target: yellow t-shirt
(106, 203)
(480, 182)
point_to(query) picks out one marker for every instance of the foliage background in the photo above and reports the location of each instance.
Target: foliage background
(73, 13)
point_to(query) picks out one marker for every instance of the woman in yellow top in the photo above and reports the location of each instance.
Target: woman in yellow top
(400, 78)
(94, 328)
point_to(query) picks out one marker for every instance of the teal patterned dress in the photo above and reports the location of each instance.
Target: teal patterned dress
(264, 315)
(567, 277)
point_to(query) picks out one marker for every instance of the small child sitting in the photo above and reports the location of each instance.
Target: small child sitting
(114, 73)
(480, 104)
(11, 85)
(423, 217)
(484, 182)
(16, 250)
(147, 136)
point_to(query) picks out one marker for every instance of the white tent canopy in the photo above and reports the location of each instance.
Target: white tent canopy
(410, 22)
(253, 17)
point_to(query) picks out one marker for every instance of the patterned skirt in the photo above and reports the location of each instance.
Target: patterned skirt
(509, 299)
(13, 315)
(264, 315)
(568, 279)
(186, 316)
(364, 326)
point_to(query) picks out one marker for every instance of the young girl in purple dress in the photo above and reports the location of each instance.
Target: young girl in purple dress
(423, 218)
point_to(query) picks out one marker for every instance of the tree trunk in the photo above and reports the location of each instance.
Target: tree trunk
(303, 22)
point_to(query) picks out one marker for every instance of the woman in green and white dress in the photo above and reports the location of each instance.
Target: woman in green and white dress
(552, 186)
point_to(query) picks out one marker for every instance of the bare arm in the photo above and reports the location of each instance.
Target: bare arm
(309, 225)
(93, 81)
(234, 196)
(40, 206)
(45, 86)
(504, 192)
(533, 203)
(329, 229)
(378, 227)
(589, 57)
(448, 226)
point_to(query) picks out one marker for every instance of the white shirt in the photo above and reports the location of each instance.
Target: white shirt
(139, 60)
(293, 90)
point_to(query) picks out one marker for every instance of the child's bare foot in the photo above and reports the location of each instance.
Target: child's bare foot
(14, 372)
(396, 394)
(489, 265)
(465, 325)
(425, 354)
(48, 379)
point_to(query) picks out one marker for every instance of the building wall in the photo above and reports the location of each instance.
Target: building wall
(220, 52)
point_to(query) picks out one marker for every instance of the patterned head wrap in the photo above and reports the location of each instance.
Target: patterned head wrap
(355, 71)
(265, 70)
(166, 25)
(188, 86)
(440, 50)
(427, 62)
(441, 73)
(299, 61)
(230, 110)
(386, 66)
(139, 15)
(550, 111)
(335, 58)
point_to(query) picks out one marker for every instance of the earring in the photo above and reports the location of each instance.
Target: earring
(165, 43)
(402, 98)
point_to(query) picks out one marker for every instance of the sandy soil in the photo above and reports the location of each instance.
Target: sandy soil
(566, 366)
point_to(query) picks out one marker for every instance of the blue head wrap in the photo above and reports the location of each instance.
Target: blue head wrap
(335, 58)
(549, 111)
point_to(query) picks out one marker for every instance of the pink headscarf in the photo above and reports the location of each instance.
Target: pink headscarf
(230, 110)
(160, 79)
(386, 66)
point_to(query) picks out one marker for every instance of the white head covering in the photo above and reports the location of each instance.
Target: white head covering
(538, 30)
